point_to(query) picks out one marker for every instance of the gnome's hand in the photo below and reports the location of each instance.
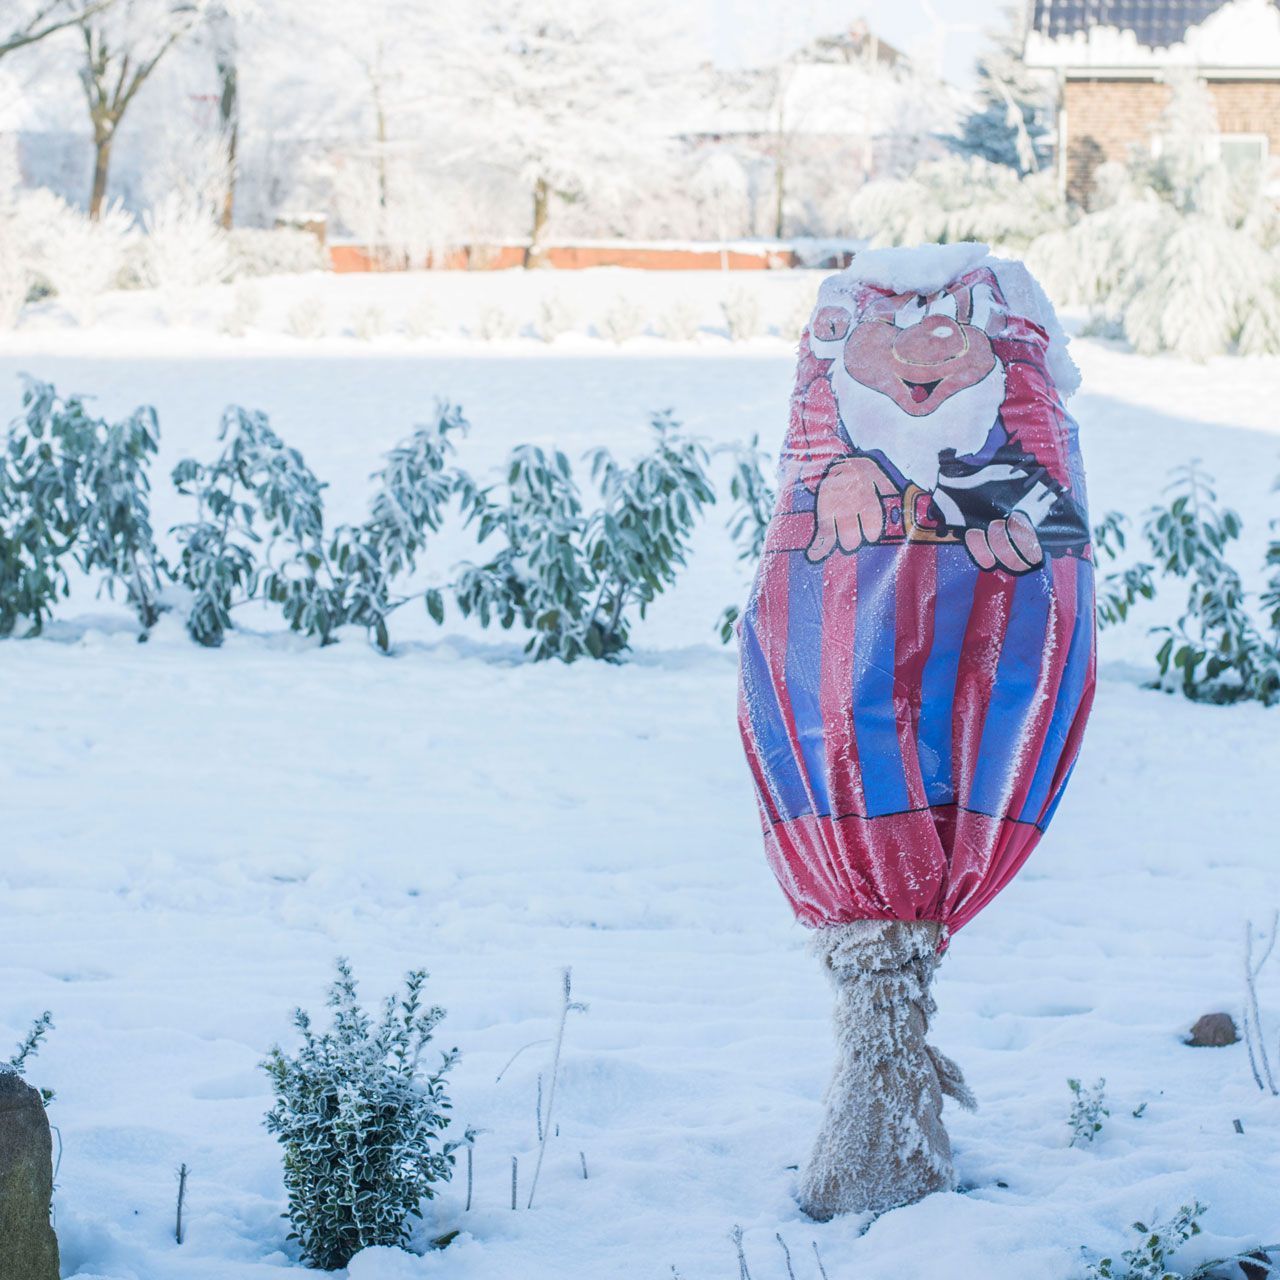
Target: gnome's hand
(1009, 544)
(848, 508)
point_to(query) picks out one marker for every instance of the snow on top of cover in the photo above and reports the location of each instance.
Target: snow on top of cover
(926, 268)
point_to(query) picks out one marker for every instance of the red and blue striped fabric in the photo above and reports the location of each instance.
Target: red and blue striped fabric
(911, 718)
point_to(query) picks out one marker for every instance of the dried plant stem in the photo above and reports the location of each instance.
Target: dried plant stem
(515, 1167)
(736, 1236)
(818, 1256)
(786, 1253)
(470, 1150)
(582, 1156)
(178, 1230)
(1254, 1038)
(565, 1009)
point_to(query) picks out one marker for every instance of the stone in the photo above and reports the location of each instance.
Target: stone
(28, 1246)
(1214, 1030)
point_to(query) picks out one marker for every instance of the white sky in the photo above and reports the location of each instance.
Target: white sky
(943, 34)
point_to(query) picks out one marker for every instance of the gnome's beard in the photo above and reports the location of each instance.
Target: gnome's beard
(962, 422)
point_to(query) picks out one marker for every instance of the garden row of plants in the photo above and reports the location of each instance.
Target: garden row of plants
(573, 562)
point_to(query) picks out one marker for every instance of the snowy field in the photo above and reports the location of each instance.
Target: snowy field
(190, 837)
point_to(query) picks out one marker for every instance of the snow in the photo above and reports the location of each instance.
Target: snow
(1242, 34)
(192, 836)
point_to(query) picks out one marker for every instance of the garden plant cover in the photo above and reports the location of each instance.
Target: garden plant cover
(917, 656)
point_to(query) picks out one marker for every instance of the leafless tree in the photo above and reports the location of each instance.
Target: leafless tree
(27, 26)
(123, 45)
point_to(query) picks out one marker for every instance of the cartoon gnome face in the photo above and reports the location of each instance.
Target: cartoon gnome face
(917, 376)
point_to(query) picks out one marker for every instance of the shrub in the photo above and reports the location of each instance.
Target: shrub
(253, 251)
(1088, 1108)
(680, 322)
(76, 486)
(260, 489)
(741, 311)
(307, 319)
(245, 311)
(361, 1124)
(958, 199)
(496, 324)
(574, 577)
(555, 316)
(625, 319)
(29, 1047)
(754, 500)
(369, 323)
(184, 250)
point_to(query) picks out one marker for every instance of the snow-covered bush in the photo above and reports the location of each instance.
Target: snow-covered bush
(245, 310)
(260, 493)
(348, 579)
(741, 311)
(958, 199)
(1221, 649)
(76, 486)
(574, 577)
(680, 322)
(422, 319)
(307, 318)
(496, 324)
(624, 319)
(73, 257)
(1178, 253)
(254, 251)
(184, 250)
(369, 323)
(361, 1122)
(256, 479)
(555, 316)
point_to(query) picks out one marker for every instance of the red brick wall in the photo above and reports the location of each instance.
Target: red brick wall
(1105, 118)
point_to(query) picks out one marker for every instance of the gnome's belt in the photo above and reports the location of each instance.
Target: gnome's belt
(908, 517)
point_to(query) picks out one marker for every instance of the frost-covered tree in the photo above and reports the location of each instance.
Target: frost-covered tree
(23, 24)
(361, 1122)
(565, 92)
(958, 199)
(121, 47)
(1178, 251)
(1010, 123)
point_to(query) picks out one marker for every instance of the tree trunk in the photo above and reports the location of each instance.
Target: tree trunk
(229, 116)
(541, 203)
(779, 195)
(882, 1144)
(101, 169)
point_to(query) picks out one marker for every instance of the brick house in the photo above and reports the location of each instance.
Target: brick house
(1113, 58)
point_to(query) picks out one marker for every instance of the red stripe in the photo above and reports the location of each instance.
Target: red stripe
(773, 633)
(979, 659)
(790, 532)
(917, 596)
(835, 687)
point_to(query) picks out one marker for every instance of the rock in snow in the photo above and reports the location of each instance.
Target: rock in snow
(28, 1247)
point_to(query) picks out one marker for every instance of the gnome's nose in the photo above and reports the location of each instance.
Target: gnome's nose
(935, 340)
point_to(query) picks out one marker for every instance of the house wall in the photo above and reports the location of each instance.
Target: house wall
(1105, 118)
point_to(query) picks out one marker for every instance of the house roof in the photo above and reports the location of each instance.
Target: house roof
(1156, 24)
(1148, 35)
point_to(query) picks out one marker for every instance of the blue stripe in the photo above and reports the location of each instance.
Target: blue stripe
(769, 728)
(957, 577)
(1017, 674)
(874, 722)
(804, 672)
(1069, 694)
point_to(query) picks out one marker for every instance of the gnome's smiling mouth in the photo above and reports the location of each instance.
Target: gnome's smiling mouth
(920, 391)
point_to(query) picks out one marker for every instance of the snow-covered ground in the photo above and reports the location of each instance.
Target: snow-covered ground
(190, 837)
